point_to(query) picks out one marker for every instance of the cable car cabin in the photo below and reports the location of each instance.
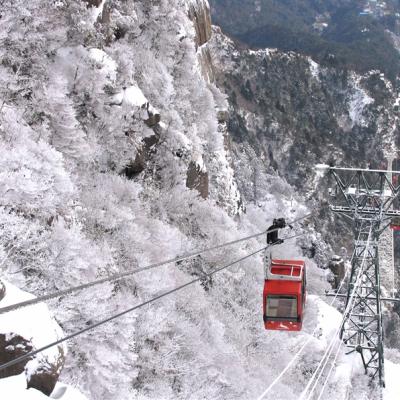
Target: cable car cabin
(395, 223)
(284, 295)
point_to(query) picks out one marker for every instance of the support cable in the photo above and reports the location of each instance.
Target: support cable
(330, 370)
(331, 346)
(123, 275)
(152, 300)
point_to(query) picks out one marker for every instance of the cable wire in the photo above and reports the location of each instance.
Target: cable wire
(123, 275)
(152, 300)
(330, 370)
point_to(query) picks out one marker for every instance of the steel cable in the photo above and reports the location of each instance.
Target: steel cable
(330, 370)
(152, 300)
(123, 275)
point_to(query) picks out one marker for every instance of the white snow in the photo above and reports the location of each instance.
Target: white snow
(32, 323)
(263, 52)
(198, 159)
(328, 317)
(134, 96)
(106, 63)
(131, 96)
(95, 12)
(397, 102)
(14, 388)
(392, 374)
(314, 69)
(358, 100)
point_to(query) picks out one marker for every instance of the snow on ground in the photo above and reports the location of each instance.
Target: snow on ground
(36, 324)
(314, 69)
(32, 323)
(392, 374)
(106, 64)
(357, 102)
(130, 96)
(14, 388)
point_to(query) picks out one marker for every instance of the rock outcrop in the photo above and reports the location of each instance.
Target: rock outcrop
(199, 13)
(2, 290)
(154, 117)
(46, 375)
(143, 155)
(26, 330)
(197, 179)
(11, 347)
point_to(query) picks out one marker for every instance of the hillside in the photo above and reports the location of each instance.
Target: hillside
(356, 35)
(133, 132)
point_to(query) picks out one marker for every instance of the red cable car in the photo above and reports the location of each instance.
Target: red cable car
(395, 224)
(284, 295)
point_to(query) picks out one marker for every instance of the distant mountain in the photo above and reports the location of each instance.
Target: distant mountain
(357, 35)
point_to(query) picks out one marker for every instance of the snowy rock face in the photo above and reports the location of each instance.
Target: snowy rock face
(27, 330)
(100, 125)
(197, 179)
(199, 13)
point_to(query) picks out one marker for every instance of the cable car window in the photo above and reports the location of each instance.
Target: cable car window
(282, 307)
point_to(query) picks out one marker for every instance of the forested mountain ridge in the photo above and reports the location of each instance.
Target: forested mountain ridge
(288, 113)
(356, 35)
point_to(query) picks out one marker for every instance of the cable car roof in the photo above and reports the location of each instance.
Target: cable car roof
(286, 270)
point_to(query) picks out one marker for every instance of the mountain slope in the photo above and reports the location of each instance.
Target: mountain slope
(114, 156)
(357, 35)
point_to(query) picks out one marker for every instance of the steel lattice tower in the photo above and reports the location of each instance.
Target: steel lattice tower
(366, 198)
(362, 329)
